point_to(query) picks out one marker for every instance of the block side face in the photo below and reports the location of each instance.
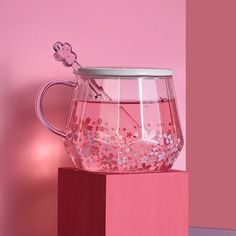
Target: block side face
(155, 204)
(81, 203)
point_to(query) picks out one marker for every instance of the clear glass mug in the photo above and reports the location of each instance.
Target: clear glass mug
(120, 120)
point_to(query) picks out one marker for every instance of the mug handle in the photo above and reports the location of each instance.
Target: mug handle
(39, 105)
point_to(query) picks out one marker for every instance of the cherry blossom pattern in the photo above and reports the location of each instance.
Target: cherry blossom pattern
(168, 138)
(89, 148)
(170, 161)
(99, 126)
(108, 161)
(86, 125)
(161, 156)
(102, 147)
(145, 165)
(154, 152)
(121, 161)
(136, 134)
(144, 159)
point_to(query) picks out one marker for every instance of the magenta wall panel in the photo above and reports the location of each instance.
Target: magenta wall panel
(211, 112)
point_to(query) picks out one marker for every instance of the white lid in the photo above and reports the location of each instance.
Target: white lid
(132, 72)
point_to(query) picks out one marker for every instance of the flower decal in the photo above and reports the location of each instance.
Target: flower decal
(168, 138)
(112, 149)
(108, 160)
(129, 135)
(161, 156)
(144, 159)
(121, 160)
(170, 161)
(86, 125)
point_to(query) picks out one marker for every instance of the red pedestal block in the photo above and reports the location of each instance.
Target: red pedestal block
(96, 204)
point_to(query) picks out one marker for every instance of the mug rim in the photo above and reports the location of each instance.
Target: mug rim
(125, 72)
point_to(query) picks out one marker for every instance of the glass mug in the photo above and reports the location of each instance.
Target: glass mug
(120, 120)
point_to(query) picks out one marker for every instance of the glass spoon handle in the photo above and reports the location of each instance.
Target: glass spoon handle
(65, 54)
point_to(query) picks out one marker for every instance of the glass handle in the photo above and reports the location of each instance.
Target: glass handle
(39, 105)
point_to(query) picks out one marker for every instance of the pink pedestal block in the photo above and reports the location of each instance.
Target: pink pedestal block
(95, 204)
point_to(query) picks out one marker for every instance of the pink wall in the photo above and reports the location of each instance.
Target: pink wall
(105, 33)
(211, 112)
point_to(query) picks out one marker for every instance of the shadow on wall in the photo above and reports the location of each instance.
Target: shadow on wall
(30, 157)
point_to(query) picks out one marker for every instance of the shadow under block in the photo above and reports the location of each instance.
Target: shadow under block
(96, 204)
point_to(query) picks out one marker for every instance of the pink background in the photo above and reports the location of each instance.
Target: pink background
(211, 112)
(104, 33)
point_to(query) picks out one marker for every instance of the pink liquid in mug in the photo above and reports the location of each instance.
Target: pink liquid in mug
(125, 137)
